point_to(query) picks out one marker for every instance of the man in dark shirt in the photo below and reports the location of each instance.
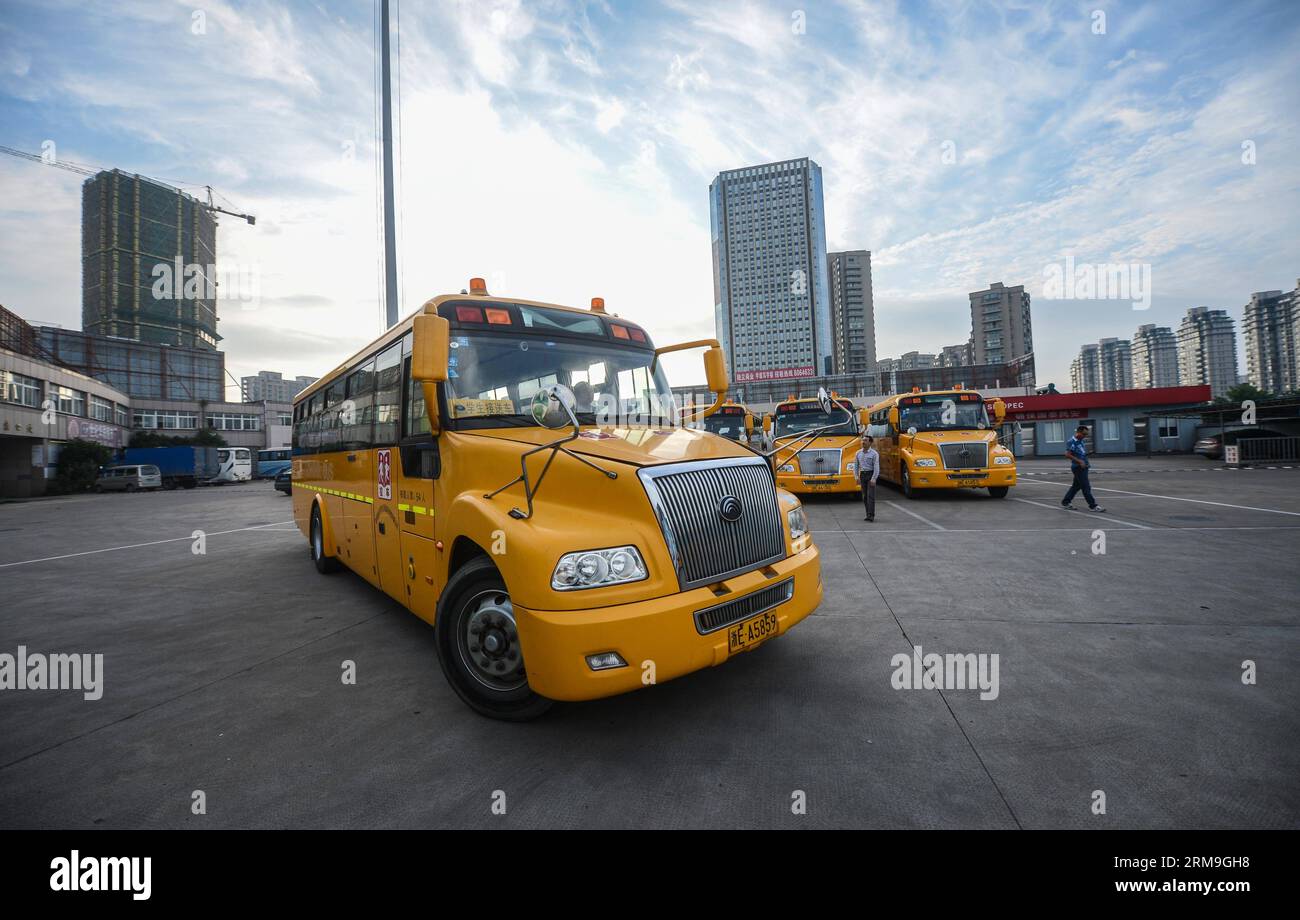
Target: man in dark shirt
(1078, 454)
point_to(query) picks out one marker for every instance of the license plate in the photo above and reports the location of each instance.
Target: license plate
(821, 483)
(746, 635)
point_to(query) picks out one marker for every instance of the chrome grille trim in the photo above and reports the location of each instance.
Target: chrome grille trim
(704, 548)
(951, 453)
(829, 465)
(720, 616)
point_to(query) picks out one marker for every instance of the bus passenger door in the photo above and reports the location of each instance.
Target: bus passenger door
(357, 518)
(416, 511)
(388, 525)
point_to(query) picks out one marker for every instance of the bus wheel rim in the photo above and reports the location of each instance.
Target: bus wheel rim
(488, 642)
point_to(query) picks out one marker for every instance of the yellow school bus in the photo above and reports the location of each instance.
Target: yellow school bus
(942, 439)
(731, 421)
(516, 474)
(814, 444)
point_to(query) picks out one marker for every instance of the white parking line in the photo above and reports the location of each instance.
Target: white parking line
(1175, 498)
(110, 549)
(899, 507)
(1100, 518)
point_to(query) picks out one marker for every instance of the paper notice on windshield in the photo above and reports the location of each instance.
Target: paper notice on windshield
(462, 408)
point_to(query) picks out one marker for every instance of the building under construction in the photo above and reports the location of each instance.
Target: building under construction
(136, 235)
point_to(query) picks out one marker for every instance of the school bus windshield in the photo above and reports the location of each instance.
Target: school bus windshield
(802, 419)
(727, 421)
(941, 412)
(494, 376)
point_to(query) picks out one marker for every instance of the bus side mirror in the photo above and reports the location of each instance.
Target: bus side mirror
(715, 370)
(749, 423)
(999, 411)
(864, 419)
(767, 424)
(893, 417)
(430, 356)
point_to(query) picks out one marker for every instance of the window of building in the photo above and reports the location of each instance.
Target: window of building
(120, 415)
(1166, 427)
(1054, 432)
(234, 421)
(1110, 429)
(101, 409)
(17, 388)
(69, 401)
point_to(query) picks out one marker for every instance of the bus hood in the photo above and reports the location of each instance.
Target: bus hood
(639, 446)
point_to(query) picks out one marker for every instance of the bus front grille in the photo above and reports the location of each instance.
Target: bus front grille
(712, 619)
(819, 462)
(719, 517)
(965, 455)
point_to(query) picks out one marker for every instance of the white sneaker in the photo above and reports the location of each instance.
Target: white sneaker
(1065, 507)
(1097, 509)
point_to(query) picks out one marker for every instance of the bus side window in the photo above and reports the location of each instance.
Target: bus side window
(388, 395)
(361, 395)
(415, 421)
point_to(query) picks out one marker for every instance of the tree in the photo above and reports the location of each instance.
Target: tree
(79, 463)
(1238, 394)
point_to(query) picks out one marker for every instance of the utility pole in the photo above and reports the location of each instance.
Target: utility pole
(390, 220)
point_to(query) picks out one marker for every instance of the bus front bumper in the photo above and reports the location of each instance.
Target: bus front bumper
(813, 485)
(933, 478)
(657, 638)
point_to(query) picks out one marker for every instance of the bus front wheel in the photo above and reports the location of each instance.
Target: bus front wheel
(905, 483)
(998, 491)
(324, 564)
(478, 645)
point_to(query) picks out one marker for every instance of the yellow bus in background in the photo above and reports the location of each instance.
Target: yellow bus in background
(814, 444)
(731, 421)
(942, 439)
(517, 475)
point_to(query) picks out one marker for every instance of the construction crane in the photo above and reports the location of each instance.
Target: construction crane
(92, 171)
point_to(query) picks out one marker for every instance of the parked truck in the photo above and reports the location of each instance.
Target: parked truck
(185, 467)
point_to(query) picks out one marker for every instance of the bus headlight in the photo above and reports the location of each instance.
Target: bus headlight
(851, 466)
(785, 468)
(1002, 460)
(598, 568)
(798, 522)
(925, 461)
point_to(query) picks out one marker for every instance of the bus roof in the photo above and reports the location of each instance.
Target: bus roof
(892, 400)
(431, 306)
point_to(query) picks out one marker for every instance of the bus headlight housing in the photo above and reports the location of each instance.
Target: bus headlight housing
(798, 522)
(925, 461)
(598, 568)
(1003, 460)
(785, 468)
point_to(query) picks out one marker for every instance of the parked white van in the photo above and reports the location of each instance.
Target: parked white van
(128, 478)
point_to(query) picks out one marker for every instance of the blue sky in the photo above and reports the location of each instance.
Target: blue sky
(565, 150)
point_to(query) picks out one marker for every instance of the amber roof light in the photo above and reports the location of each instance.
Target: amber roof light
(598, 305)
(477, 286)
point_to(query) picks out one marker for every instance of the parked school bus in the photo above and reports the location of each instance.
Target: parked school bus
(942, 439)
(731, 421)
(513, 473)
(815, 444)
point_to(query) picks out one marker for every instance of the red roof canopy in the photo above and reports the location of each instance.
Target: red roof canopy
(1109, 399)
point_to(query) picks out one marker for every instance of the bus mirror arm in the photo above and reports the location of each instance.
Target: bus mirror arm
(810, 434)
(555, 447)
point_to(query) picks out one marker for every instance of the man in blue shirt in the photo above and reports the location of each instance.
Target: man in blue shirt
(1078, 454)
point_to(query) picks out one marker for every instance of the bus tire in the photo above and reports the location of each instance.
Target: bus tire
(324, 564)
(905, 482)
(493, 683)
(998, 491)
